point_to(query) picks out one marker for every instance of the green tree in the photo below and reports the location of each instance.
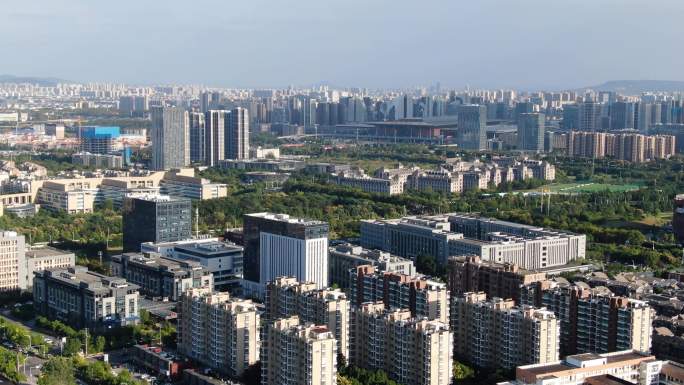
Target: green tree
(72, 346)
(57, 371)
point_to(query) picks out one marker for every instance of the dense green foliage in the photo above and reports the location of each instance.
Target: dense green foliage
(21, 336)
(64, 371)
(145, 332)
(8, 365)
(352, 375)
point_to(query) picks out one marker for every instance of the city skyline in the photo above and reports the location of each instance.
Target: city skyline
(524, 45)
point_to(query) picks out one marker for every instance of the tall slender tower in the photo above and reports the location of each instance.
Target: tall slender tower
(197, 137)
(214, 147)
(237, 136)
(170, 138)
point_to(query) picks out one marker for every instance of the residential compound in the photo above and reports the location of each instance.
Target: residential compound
(422, 297)
(80, 195)
(295, 353)
(442, 236)
(496, 334)
(453, 177)
(159, 276)
(83, 298)
(628, 146)
(632, 367)
(412, 351)
(278, 245)
(347, 256)
(218, 331)
(286, 297)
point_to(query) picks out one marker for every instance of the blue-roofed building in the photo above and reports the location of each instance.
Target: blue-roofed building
(98, 139)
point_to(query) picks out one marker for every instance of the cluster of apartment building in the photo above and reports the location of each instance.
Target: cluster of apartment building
(442, 236)
(628, 146)
(454, 177)
(82, 194)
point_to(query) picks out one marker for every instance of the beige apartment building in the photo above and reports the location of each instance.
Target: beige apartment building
(411, 351)
(422, 297)
(218, 331)
(293, 353)
(496, 334)
(286, 297)
(79, 195)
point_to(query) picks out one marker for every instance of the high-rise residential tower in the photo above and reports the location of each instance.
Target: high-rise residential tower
(218, 331)
(237, 134)
(471, 133)
(170, 138)
(496, 334)
(531, 131)
(286, 297)
(294, 353)
(215, 122)
(197, 137)
(411, 351)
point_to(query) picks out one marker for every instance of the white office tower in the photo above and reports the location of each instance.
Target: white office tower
(278, 245)
(170, 138)
(237, 134)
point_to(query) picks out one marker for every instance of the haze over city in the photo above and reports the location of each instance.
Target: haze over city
(529, 44)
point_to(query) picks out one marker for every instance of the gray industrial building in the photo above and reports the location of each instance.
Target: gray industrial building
(82, 298)
(160, 276)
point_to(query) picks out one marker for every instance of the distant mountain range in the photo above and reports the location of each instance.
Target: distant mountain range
(47, 82)
(633, 87)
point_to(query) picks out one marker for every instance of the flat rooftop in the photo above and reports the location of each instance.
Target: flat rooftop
(46, 251)
(286, 218)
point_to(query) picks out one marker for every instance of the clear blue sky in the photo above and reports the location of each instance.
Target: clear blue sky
(365, 43)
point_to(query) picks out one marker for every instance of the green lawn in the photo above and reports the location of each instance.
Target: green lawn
(586, 187)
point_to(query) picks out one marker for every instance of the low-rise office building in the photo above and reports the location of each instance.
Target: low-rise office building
(496, 334)
(83, 298)
(411, 351)
(44, 258)
(346, 256)
(159, 361)
(442, 236)
(218, 331)
(222, 259)
(159, 276)
(98, 160)
(637, 368)
(422, 297)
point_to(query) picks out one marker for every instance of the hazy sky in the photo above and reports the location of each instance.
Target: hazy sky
(364, 43)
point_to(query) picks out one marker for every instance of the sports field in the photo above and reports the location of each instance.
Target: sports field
(587, 187)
